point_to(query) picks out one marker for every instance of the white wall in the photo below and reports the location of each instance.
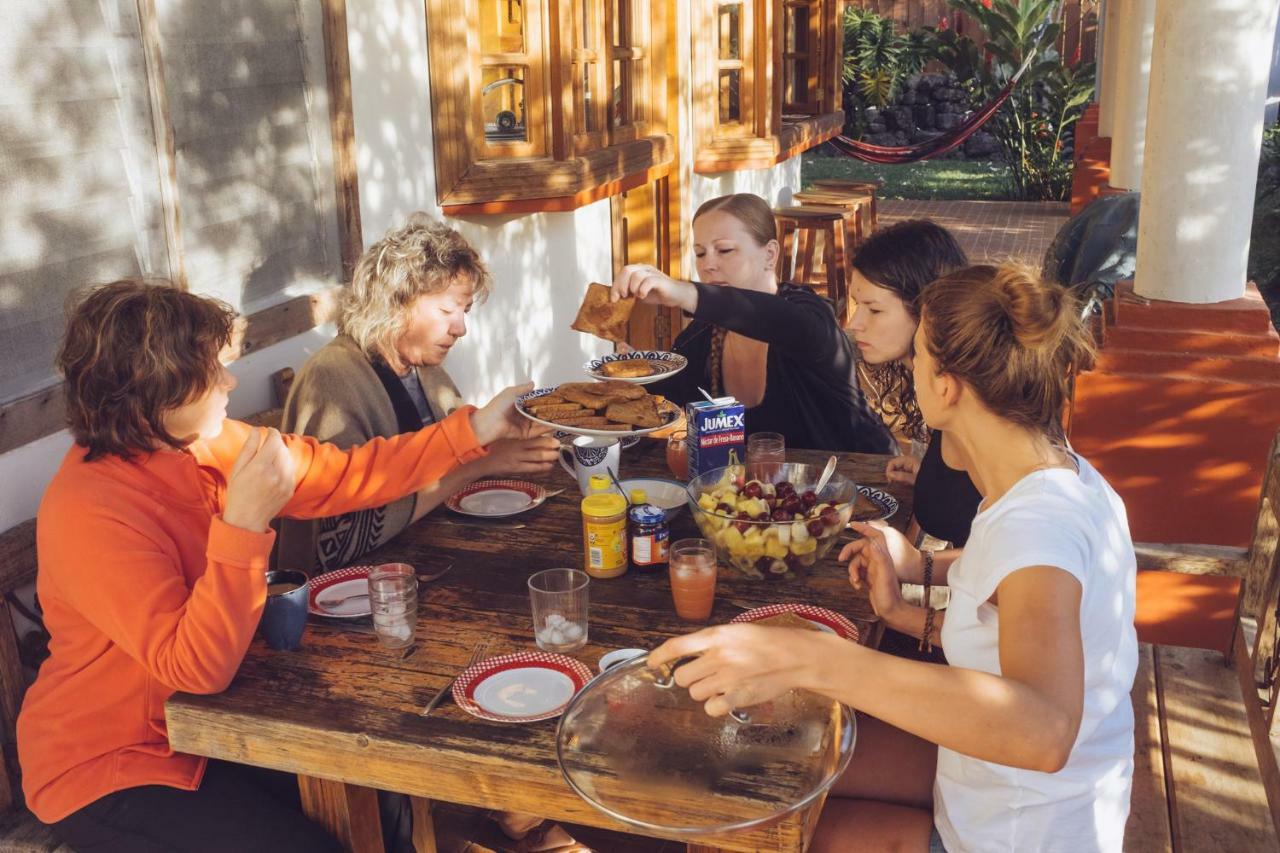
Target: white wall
(27, 470)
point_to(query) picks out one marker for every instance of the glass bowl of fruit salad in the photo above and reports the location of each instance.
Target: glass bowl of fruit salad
(766, 520)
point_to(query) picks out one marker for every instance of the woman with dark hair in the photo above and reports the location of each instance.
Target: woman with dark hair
(776, 347)
(153, 541)
(890, 273)
(1024, 740)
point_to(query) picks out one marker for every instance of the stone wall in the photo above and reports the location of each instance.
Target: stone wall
(929, 104)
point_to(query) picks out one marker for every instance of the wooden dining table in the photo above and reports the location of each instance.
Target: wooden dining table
(343, 713)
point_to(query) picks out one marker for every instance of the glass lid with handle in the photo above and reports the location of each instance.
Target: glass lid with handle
(636, 746)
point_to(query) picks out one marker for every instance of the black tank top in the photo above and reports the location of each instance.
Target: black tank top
(945, 499)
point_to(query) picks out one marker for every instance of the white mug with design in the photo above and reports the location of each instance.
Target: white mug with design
(589, 455)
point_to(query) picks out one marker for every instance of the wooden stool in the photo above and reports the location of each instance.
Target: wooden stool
(859, 205)
(853, 188)
(799, 229)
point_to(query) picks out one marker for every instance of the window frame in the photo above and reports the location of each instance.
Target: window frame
(777, 132)
(577, 164)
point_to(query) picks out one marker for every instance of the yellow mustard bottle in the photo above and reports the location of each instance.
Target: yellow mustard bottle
(604, 534)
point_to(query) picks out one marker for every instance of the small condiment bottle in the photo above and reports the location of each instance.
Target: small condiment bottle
(604, 534)
(648, 533)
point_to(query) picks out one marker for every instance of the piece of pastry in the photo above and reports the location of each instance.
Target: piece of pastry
(642, 413)
(788, 620)
(601, 317)
(632, 367)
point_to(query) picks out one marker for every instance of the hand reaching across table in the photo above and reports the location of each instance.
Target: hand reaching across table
(653, 287)
(261, 482)
(498, 419)
(737, 666)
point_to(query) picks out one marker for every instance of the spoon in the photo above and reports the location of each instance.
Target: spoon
(826, 475)
(618, 484)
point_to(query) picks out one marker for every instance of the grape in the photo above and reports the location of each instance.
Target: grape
(816, 527)
(724, 509)
(781, 515)
(830, 517)
(752, 489)
(792, 504)
(809, 498)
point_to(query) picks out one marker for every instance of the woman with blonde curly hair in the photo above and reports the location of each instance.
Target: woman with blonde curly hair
(382, 375)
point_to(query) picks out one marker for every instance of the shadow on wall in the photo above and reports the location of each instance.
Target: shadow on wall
(81, 183)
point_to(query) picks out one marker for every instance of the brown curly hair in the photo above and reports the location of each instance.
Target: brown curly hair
(134, 350)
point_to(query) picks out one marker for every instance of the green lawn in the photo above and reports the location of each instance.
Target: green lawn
(927, 179)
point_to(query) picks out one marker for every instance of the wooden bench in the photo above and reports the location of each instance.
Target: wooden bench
(20, 832)
(1205, 773)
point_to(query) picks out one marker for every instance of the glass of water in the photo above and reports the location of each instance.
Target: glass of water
(559, 601)
(393, 601)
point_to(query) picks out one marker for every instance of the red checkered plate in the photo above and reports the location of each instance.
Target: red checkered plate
(827, 620)
(496, 498)
(338, 585)
(520, 688)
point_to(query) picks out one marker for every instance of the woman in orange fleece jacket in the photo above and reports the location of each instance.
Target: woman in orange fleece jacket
(153, 539)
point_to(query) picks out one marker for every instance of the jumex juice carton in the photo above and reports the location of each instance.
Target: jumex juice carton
(715, 429)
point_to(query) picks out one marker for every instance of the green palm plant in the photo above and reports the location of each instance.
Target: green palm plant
(1033, 126)
(876, 58)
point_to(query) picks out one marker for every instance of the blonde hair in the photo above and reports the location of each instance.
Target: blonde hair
(422, 257)
(1012, 337)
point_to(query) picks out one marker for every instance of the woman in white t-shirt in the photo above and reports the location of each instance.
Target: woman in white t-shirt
(1025, 740)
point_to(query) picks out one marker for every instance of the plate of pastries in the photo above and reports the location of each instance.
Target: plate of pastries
(640, 366)
(610, 408)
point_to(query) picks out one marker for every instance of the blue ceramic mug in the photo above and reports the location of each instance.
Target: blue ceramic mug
(285, 616)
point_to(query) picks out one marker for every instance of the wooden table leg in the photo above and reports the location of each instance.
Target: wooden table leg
(424, 825)
(348, 812)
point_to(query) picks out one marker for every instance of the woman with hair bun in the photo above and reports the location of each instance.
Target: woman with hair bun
(1024, 740)
(776, 347)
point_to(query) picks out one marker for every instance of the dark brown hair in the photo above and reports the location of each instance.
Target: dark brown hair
(134, 350)
(1012, 337)
(752, 211)
(906, 256)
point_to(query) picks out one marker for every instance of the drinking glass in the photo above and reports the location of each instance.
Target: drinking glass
(393, 601)
(766, 451)
(678, 455)
(559, 600)
(693, 578)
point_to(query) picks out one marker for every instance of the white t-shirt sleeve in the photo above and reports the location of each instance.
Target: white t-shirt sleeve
(1028, 536)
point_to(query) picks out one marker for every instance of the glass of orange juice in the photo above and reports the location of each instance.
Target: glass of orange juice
(678, 455)
(693, 578)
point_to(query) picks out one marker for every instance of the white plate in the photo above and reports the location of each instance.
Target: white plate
(524, 692)
(661, 492)
(337, 585)
(673, 415)
(496, 498)
(664, 364)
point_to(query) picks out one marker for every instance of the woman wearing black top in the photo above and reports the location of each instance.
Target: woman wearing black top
(776, 347)
(890, 271)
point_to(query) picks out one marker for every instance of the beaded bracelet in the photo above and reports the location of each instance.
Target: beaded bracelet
(926, 643)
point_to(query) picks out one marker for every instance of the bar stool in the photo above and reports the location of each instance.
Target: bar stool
(853, 188)
(799, 229)
(858, 221)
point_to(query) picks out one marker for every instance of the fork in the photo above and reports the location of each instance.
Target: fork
(476, 654)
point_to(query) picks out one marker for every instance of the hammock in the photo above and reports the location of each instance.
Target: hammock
(942, 143)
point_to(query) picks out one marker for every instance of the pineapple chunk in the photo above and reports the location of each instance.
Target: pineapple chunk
(775, 549)
(754, 536)
(800, 548)
(707, 502)
(731, 539)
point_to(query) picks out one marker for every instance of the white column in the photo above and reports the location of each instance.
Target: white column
(1107, 71)
(1204, 126)
(1133, 68)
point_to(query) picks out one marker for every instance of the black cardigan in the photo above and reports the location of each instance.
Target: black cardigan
(811, 393)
